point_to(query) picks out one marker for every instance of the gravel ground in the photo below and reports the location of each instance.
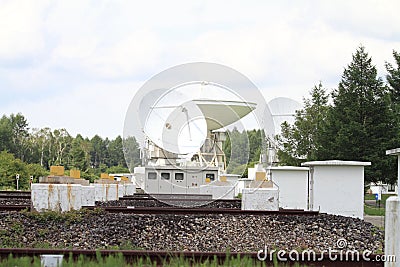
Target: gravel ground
(244, 233)
(18, 201)
(170, 203)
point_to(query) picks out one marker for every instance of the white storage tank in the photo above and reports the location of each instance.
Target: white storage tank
(337, 187)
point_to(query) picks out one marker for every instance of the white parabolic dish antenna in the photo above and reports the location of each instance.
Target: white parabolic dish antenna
(283, 109)
(219, 114)
(182, 128)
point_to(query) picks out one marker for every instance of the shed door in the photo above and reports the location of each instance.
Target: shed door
(179, 184)
(165, 184)
(151, 182)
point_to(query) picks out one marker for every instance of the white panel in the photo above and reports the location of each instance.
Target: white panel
(99, 192)
(293, 186)
(194, 180)
(111, 192)
(339, 190)
(88, 195)
(164, 184)
(179, 182)
(151, 185)
(70, 197)
(120, 190)
(40, 196)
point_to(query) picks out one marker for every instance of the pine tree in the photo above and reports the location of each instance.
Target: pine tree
(393, 77)
(361, 124)
(302, 141)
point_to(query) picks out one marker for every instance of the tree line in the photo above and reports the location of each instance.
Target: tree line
(33, 151)
(359, 120)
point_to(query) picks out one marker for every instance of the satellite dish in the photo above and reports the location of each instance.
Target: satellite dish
(219, 114)
(283, 109)
(180, 124)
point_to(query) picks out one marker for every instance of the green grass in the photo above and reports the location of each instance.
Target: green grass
(119, 260)
(374, 211)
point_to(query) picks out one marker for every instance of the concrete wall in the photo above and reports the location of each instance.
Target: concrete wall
(120, 190)
(106, 192)
(88, 195)
(130, 189)
(56, 197)
(293, 186)
(66, 197)
(260, 199)
(338, 190)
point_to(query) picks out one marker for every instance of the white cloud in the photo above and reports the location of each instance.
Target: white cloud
(66, 55)
(87, 110)
(21, 31)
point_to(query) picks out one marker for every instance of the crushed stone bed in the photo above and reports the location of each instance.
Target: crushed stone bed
(236, 233)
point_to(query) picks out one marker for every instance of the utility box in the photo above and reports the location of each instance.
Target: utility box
(293, 186)
(337, 187)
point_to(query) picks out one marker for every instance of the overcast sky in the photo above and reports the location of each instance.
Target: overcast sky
(77, 64)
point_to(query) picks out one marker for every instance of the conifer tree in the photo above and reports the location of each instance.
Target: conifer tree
(361, 124)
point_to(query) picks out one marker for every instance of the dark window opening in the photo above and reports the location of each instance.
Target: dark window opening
(165, 175)
(152, 176)
(179, 176)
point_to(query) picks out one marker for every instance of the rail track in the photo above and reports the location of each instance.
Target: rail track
(160, 257)
(7, 195)
(174, 210)
(159, 205)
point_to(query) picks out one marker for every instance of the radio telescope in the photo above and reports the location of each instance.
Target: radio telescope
(184, 112)
(178, 125)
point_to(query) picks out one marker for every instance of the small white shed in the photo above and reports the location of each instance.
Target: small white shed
(293, 186)
(337, 187)
(396, 152)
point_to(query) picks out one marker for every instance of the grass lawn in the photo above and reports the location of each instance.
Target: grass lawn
(376, 211)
